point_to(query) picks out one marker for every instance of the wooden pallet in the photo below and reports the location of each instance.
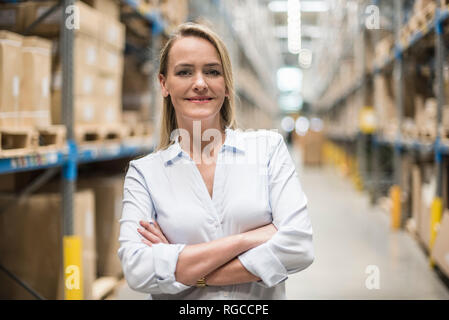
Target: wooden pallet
(51, 137)
(94, 134)
(444, 134)
(409, 131)
(87, 134)
(420, 20)
(384, 50)
(427, 133)
(17, 141)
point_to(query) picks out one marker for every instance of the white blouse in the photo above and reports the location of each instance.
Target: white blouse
(255, 184)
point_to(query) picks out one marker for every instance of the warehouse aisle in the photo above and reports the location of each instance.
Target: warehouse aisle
(350, 236)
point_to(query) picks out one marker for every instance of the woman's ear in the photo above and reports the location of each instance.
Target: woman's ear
(164, 90)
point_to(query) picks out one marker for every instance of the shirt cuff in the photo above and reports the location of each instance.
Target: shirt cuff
(262, 262)
(165, 258)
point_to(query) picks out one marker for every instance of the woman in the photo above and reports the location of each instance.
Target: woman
(231, 225)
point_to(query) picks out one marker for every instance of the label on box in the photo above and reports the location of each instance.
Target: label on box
(112, 60)
(89, 231)
(112, 34)
(55, 17)
(88, 112)
(110, 117)
(8, 17)
(45, 87)
(110, 87)
(15, 86)
(57, 80)
(88, 84)
(91, 55)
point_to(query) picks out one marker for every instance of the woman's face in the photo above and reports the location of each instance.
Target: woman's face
(194, 79)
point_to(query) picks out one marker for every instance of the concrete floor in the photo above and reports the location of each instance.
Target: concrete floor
(357, 256)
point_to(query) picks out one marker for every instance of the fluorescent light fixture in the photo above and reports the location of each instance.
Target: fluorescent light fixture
(306, 6)
(288, 124)
(294, 26)
(289, 79)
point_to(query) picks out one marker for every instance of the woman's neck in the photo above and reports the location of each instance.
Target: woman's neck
(204, 140)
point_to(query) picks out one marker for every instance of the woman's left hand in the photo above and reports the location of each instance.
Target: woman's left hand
(152, 233)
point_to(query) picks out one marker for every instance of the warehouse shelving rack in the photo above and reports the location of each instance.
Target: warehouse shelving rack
(73, 154)
(435, 149)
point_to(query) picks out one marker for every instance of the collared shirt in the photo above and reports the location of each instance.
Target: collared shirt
(255, 184)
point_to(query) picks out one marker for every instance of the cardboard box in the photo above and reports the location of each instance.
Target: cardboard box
(31, 244)
(110, 87)
(440, 252)
(10, 73)
(109, 112)
(85, 110)
(110, 61)
(108, 208)
(35, 98)
(110, 8)
(416, 195)
(86, 52)
(12, 16)
(89, 20)
(312, 148)
(113, 32)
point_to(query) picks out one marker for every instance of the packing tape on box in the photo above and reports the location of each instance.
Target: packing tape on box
(10, 42)
(45, 86)
(89, 224)
(15, 86)
(41, 51)
(34, 114)
(9, 115)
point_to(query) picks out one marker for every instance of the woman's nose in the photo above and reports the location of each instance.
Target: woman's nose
(199, 83)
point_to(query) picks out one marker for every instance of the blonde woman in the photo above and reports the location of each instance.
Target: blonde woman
(233, 223)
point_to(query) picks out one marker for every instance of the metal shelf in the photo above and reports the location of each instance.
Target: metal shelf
(398, 51)
(85, 154)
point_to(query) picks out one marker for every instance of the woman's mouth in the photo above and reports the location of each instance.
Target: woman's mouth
(199, 99)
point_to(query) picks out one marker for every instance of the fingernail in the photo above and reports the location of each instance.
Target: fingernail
(138, 229)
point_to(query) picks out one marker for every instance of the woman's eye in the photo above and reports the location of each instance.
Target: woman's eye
(213, 72)
(182, 73)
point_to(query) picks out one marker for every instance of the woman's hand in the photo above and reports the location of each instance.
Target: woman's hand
(152, 233)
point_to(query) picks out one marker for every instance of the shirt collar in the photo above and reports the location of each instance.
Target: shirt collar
(233, 142)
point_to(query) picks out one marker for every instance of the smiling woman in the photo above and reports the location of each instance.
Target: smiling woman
(227, 228)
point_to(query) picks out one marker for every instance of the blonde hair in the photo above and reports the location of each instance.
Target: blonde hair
(227, 111)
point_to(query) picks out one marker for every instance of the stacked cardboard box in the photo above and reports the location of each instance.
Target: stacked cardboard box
(174, 11)
(384, 104)
(31, 244)
(10, 66)
(108, 210)
(25, 64)
(440, 252)
(98, 61)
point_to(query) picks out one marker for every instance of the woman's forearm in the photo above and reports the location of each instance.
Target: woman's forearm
(198, 260)
(231, 273)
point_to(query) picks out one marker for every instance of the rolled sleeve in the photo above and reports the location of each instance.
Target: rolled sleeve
(262, 262)
(290, 250)
(146, 269)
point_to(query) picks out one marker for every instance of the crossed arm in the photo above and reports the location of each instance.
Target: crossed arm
(200, 260)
